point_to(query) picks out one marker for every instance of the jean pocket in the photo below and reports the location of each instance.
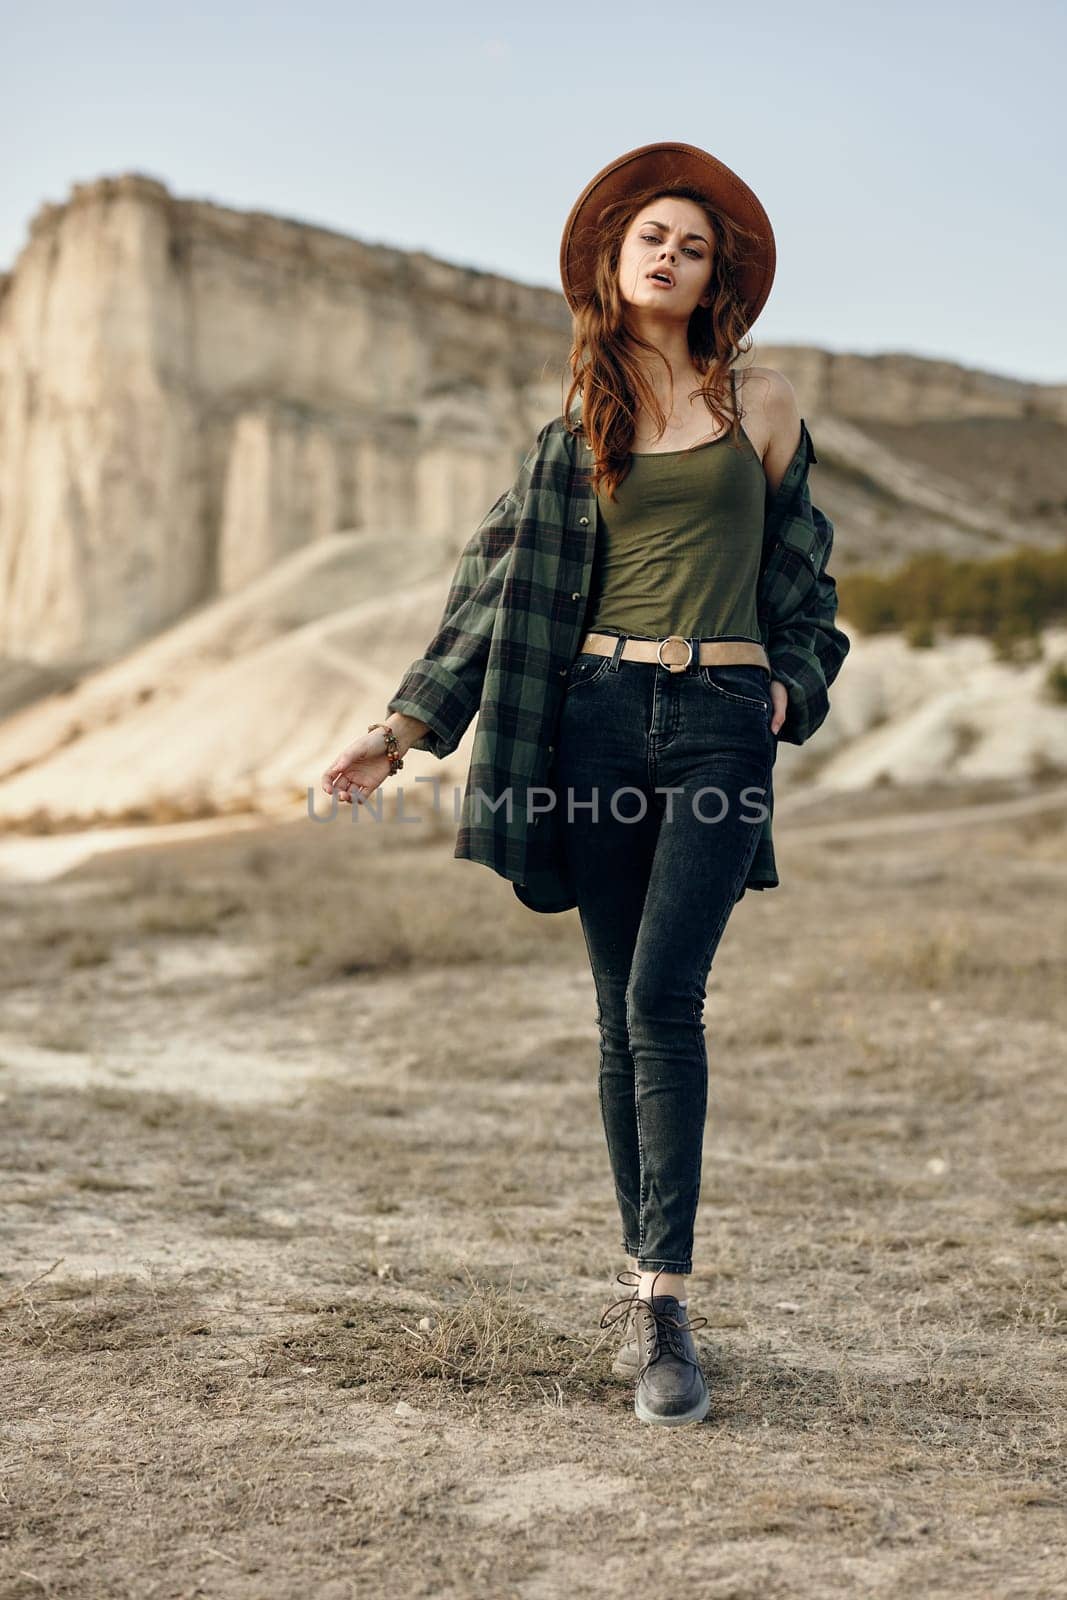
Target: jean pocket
(746, 685)
(585, 669)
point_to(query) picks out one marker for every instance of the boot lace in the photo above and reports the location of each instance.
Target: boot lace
(668, 1330)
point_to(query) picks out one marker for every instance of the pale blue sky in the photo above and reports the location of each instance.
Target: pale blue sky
(909, 156)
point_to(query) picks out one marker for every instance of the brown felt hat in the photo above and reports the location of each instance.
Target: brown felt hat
(665, 165)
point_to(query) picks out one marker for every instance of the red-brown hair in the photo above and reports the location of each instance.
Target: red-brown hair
(602, 363)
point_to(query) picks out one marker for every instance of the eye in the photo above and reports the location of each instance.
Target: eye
(651, 238)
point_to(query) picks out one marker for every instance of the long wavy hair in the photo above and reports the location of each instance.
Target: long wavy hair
(603, 361)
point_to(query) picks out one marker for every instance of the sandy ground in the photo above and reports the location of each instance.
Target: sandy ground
(308, 1227)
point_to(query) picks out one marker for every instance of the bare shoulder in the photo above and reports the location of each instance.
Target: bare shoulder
(764, 391)
(772, 417)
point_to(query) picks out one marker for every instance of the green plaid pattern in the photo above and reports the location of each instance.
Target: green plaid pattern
(513, 621)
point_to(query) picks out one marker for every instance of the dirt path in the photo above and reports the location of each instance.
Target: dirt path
(41, 858)
(969, 816)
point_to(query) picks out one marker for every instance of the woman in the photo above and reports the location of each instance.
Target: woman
(666, 734)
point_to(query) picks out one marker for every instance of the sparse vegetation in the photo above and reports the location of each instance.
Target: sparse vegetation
(1008, 599)
(1056, 683)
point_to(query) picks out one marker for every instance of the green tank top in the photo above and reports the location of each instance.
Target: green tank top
(679, 550)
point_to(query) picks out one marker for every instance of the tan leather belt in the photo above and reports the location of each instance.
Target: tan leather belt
(676, 652)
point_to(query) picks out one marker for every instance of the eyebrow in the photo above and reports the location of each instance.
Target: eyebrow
(650, 222)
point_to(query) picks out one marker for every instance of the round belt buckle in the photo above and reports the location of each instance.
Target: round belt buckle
(675, 664)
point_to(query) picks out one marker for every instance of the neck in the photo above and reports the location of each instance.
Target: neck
(672, 365)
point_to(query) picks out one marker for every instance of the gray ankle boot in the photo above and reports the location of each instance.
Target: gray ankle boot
(671, 1388)
(664, 1364)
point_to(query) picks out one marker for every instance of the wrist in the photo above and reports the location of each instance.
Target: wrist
(407, 729)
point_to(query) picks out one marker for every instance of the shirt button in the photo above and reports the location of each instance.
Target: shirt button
(583, 521)
(576, 595)
(563, 672)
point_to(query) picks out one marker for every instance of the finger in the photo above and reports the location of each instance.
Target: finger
(337, 766)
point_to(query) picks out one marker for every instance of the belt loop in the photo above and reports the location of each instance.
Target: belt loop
(694, 645)
(620, 644)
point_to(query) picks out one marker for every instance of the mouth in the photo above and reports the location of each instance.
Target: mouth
(660, 277)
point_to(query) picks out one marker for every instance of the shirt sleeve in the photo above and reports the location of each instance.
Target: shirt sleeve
(805, 646)
(443, 686)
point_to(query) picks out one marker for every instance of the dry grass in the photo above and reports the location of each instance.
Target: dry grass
(305, 1262)
(393, 899)
(485, 1347)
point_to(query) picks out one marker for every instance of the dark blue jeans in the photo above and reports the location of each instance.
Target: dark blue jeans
(680, 765)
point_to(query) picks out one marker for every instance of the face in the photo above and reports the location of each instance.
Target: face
(673, 236)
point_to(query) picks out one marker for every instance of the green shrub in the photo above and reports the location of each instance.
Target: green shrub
(919, 634)
(1056, 682)
(1008, 598)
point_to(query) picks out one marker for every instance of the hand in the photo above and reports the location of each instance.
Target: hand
(780, 696)
(359, 769)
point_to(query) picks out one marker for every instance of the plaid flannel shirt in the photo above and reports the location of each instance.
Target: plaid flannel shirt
(513, 622)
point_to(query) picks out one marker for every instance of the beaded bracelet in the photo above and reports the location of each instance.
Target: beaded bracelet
(392, 749)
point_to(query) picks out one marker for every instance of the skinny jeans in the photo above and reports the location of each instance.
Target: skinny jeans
(662, 781)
